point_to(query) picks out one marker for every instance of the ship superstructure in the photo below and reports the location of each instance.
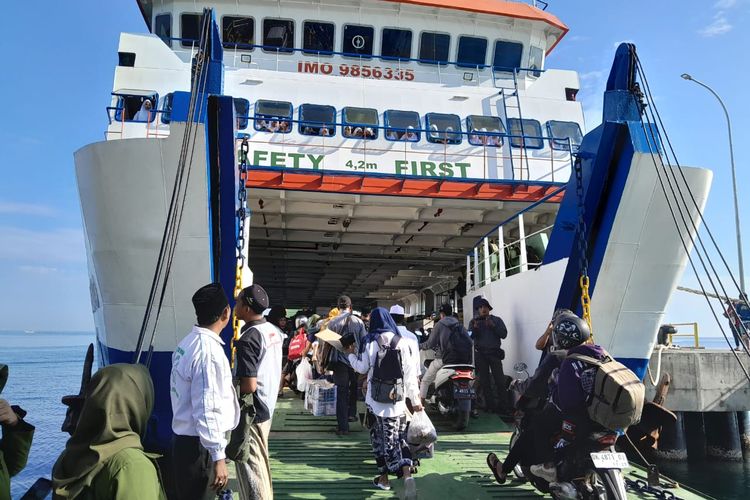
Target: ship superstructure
(395, 150)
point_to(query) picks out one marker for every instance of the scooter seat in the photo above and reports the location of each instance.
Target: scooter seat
(458, 367)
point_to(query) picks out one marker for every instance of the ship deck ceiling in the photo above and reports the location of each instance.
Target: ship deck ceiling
(308, 247)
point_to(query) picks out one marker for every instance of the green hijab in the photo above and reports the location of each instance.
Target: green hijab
(119, 400)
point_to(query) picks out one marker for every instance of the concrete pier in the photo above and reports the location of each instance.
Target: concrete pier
(703, 380)
(672, 442)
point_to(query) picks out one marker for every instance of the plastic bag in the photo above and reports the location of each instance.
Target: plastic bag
(304, 373)
(421, 431)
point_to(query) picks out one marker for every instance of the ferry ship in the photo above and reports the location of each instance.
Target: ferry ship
(397, 151)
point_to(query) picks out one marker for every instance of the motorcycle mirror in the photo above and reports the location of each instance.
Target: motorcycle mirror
(520, 367)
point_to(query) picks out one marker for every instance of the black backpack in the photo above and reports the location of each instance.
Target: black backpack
(387, 382)
(460, 347)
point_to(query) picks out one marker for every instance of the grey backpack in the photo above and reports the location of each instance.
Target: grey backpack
(387, 382)
(616, 399)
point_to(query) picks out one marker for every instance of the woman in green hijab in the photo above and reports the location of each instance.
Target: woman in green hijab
(104, 459)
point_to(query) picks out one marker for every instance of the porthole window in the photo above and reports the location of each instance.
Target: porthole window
(443, 128)
(317, 119)
(360, 123)
(560, 132)
(434, 47)
(278, 35)
(238, 32)
(530, 129)
(507, 56)
(472, 52)
(402, 125)
(317, 37)
(273, 116)
(485, 130)
(358, 40)
(396, 44)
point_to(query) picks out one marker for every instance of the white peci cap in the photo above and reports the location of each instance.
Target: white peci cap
(397, 309)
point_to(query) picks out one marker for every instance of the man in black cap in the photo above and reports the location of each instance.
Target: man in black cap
(488, 332)
(204, 403)
(258, 363)
(351, 329)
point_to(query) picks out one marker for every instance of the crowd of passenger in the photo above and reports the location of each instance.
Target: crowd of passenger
(220, 414)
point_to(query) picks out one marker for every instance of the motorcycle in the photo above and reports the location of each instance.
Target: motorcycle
(454, 391)
(595, 464)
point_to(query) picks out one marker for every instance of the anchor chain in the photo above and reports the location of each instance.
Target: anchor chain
(583, 260)
(241, 230)
(641, 486)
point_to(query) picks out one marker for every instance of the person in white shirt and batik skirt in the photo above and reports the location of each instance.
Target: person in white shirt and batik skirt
(204, 402)
(386, 358)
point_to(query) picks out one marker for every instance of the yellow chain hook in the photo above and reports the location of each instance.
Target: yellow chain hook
(586, 303)
(235, 319)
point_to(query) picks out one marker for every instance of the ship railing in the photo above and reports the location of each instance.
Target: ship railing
(278, 58)
(551, 164)
(493, 259)
(121, 128)
(694, 334)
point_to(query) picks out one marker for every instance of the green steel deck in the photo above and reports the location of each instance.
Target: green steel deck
(308, 461)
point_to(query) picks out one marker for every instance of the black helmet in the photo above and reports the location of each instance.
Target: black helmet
(569, 331)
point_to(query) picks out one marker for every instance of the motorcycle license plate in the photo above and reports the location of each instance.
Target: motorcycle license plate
(610, 460)
(463, 393)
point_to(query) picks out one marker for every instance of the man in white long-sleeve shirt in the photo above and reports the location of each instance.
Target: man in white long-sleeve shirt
(204, 403)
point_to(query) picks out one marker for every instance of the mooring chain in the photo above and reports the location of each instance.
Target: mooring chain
(583, 261)
(641, 486)
(241, 230)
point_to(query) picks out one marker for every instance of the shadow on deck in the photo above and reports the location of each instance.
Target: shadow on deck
(308, 461)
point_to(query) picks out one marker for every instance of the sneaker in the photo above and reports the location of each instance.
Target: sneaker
(563, 491)
(548, 472)
(410, 489)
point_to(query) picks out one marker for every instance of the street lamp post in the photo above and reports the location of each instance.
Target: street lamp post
(734, 178)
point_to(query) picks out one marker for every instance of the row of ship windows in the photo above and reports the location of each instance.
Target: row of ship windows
(364, 123)
(318, 38)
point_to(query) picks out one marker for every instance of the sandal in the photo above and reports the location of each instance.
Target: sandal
(376, 482)
(492, 463)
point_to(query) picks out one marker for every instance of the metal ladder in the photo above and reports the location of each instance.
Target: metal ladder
(514, 106)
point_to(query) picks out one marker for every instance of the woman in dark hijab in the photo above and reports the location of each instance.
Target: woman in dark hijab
(104, 459)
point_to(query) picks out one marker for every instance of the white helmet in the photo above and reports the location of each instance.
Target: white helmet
(300, 322)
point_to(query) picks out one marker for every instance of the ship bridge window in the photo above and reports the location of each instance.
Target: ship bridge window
(560, 132)
(507, 56)
(530, 129)
(278, 33)
(401, 125)
(316, 119)
(238, 32)
(135, 105)
(317, 37)
(434, 47)
(485, 130)
(396, 44)
(273, 116)
(360, 123)
(472, 52)
(443, 128)
(358, 40)
(536, 55)
(190, 30)
(163, 28)
(242, 112)
(166, 108)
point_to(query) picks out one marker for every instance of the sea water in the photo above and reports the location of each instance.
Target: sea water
(45, 366)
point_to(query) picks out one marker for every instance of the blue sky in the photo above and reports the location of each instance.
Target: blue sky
(60, 58)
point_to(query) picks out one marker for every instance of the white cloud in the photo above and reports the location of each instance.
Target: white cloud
(10, 207)
(38, 269)
(725, 4)
(719, 26)
(42, 247)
